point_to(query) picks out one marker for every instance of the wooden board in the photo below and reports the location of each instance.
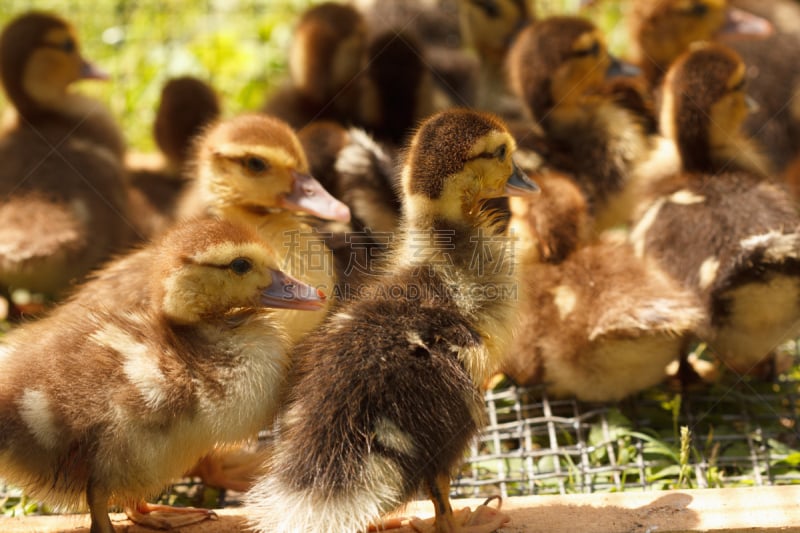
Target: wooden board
(765, 509)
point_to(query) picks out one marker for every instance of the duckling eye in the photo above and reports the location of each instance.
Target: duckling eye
(256, 165)
(68, 46)
(500, 153)
(241, 266)
(488, 6)
(697, 10)
(591, 51)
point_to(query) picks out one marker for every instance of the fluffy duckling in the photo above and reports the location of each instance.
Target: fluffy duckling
(328, 53)
(662, 30)
(721, 226)
(558, 67)
(386, 393)
(598, 323)
(196, 361)
(187, 105)
(488, 28)
(39, 60)
(253, 169)
(64, 205)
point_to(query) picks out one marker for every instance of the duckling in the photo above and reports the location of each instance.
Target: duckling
(385, 394)
(187, 105)
(722, 226)
(252, 169)
(598, 323)
(558, 68)
(327, 54)
(64, 205)
(662, 30)
(196, 361)
(488, 28)
(39, 60)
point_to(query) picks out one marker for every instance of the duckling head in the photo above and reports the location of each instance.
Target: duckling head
(187, 105)
(218, 268)
(328, 50)
(490, 26)
(555, 62)
(661, 30)
(40, 58)
(256, 163)
(704, 104)
(457, 160)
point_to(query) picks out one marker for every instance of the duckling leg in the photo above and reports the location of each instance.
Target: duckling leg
(98, 509)
(230, 469)
(484, 519)
(165, 516)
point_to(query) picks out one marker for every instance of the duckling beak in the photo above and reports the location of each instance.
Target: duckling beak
(743, 24)
(621, 69)
(285, 292)
(90, 71)
(309, 196)
(519, 184)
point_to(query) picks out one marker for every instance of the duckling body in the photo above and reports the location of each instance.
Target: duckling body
(195, 360)
(597, 322)
(64, 206)
(410, 355)
(722, 226)
(557, 67)
(252, 169)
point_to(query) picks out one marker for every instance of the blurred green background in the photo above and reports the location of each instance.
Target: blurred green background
(239, 46)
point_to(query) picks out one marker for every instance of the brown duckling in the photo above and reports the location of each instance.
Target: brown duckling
(559, 67)
(662, 30)
(598, 323)
(722, 226)
(385, 395)
(64, 205)
(253, 169)
(111, 401)
(328, 53)
(39, 61)
(488, 28)
(187, 105)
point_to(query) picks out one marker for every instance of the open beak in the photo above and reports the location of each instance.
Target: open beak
(519, 184)
(285, 292)
(89, 71)
(310, 196)
(740, 23)
(621, 69)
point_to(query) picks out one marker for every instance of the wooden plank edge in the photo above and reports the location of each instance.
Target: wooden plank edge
(766, 509)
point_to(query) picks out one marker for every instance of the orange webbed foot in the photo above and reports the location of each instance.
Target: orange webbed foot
(167, 517)
(484, 519)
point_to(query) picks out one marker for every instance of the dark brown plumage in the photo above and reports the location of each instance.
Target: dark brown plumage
(168, 352)
(64, 206)
(722, 226)
(386, 393)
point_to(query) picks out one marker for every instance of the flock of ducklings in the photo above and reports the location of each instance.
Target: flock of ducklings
(360, 257)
